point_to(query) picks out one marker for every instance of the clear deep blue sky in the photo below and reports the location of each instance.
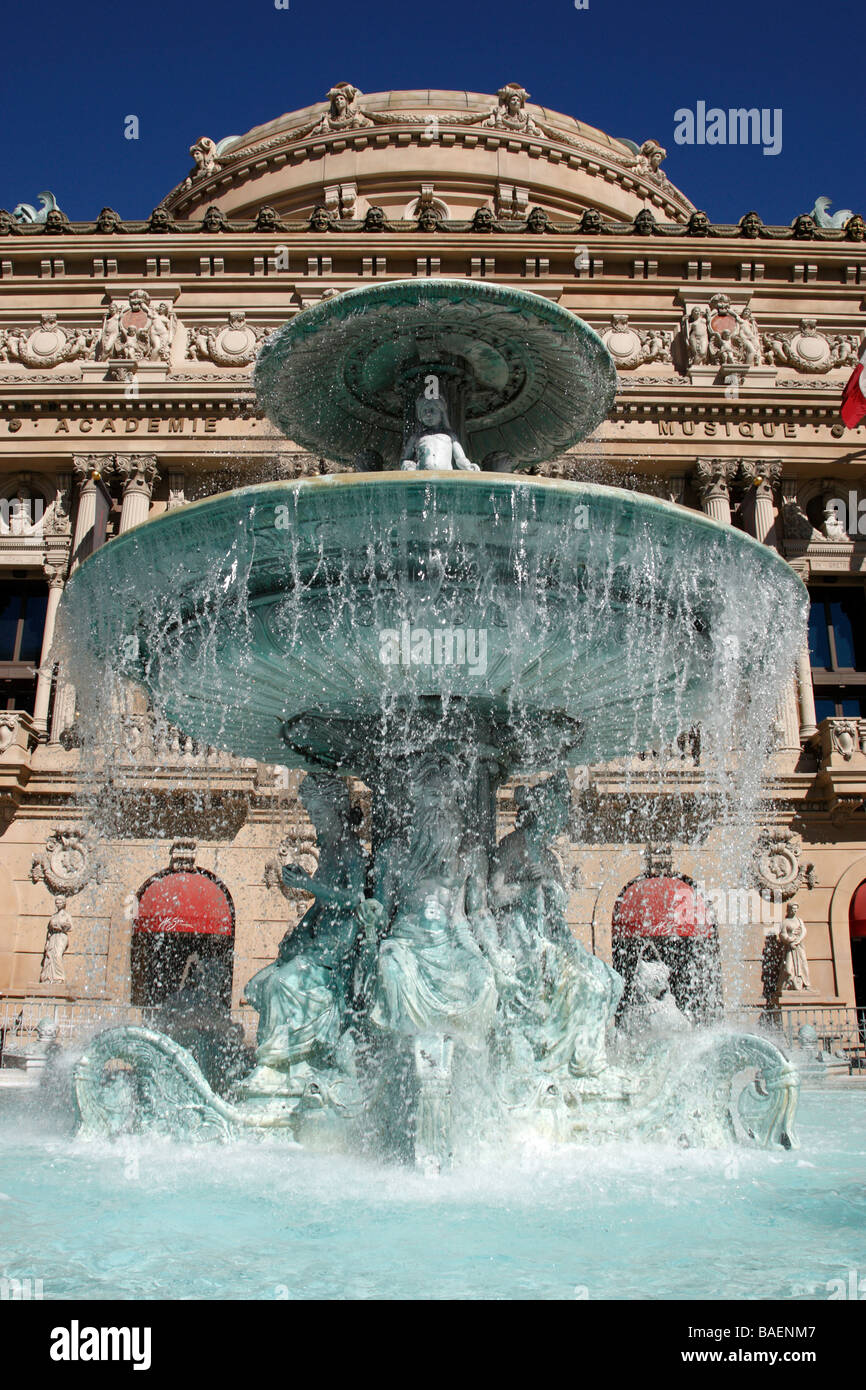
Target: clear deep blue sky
(72, 72)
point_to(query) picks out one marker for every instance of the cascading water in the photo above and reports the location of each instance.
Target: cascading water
(435, 634)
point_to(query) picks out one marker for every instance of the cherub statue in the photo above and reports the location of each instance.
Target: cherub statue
(434, 444)
(698, 336)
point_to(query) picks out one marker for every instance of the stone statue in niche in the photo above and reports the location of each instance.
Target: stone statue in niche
(794, 970)
(60, 924)
(434, 444)
(831, 524)
(303, 997)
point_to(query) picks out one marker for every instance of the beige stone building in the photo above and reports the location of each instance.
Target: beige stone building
(125, 364)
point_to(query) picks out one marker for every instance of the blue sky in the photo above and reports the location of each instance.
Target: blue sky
(74, 72)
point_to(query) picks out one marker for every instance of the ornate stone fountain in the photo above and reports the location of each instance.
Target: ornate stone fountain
(435, 623)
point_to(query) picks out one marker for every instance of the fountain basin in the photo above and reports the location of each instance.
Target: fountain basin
(302, 622)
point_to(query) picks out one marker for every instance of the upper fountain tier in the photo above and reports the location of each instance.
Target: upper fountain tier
(519, 374)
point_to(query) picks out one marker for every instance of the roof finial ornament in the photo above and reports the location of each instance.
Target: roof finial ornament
(27, 213)
(511, 114)
(343, 114)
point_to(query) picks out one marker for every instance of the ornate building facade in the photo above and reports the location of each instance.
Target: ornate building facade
(126, 351)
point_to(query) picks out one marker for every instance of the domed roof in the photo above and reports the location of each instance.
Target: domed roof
(357, 150)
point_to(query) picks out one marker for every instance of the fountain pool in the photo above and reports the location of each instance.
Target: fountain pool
(143, 1219)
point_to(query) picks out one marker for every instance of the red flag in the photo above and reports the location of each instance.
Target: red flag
(854, 397)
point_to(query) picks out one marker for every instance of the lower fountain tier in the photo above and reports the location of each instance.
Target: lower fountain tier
(320, 620)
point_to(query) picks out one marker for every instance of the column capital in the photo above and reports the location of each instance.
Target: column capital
(89, 468)
(138, 472)
(55, 574)
(713, 477)
(764, 475)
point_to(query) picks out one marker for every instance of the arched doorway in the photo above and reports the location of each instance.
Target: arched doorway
(184, 929)
(666, 918)
(857, 928)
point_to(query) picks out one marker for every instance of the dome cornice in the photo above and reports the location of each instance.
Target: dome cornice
(483, 126)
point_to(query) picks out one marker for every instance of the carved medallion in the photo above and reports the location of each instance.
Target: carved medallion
(777, 863)
(67, 863)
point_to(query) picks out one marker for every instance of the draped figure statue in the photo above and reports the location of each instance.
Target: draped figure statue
(432, 976)
(302, 997)
(562, 998)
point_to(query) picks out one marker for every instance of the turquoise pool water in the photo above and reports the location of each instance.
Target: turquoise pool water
(141, 1220)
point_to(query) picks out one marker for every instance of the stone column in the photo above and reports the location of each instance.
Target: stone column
(88, 470)
(43, 682)
(139, 474)
(806, 695)
(712, 478)
(765, 478)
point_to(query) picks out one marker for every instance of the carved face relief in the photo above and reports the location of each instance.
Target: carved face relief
(159, 221)
(644, 223)
(107, 221)
(266, 220)
(591, 220)
(699, 224)
(375, 220)
(855, 228)
(483, 220)
(804, 227)
(320, 219)
(751, 225)
(537, 221)
(428, 221)
(213, 220)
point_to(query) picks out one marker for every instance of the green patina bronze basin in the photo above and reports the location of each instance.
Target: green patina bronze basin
(308, 621)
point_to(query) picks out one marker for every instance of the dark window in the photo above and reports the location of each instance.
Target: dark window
(837, 649)
(22, 621)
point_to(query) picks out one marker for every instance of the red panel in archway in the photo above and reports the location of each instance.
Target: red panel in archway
(857, 912)
(661, 907)
(185, 902)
